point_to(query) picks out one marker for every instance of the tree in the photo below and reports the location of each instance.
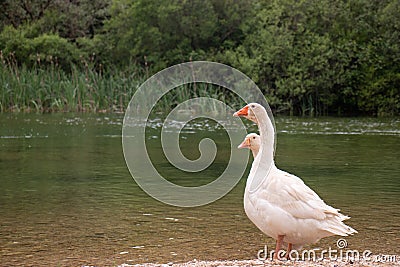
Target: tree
(17, 12)
(161, 33)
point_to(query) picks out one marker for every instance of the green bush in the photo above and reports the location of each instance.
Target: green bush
(316, 57)
(52, 49)
(15, 45)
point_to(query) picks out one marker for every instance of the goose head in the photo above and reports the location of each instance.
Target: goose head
(250, 112)
(252, 141)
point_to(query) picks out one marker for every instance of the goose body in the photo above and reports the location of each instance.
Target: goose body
(280, 204)
(284, 205)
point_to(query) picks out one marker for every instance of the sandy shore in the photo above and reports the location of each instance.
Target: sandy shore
(393, 261)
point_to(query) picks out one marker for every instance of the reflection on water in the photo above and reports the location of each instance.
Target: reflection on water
(67, 198)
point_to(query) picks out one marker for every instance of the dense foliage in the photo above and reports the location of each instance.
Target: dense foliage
(310, 57)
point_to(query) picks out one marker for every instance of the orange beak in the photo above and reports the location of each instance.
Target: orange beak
(245, 143)
(242, 112)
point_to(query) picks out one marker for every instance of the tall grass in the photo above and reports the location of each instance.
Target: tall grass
(87, 88)
(51, 89)
(202, 91)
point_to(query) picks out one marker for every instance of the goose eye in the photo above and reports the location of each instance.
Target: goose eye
(254, 137)
(253, 106)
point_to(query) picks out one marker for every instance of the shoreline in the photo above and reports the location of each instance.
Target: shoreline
(392, 260)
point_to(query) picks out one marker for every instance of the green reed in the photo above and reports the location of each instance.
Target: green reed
(51, 89)
(88, 88)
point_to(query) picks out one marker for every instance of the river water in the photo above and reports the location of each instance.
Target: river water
(67, 197)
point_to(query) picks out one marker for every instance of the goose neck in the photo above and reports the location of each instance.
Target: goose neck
(267, 135)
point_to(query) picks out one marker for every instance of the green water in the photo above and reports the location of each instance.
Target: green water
(67, 198)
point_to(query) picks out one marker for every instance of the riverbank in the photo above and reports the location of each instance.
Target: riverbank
(391, 261)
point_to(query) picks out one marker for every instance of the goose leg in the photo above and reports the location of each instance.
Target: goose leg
(279, 242)
(289, 249)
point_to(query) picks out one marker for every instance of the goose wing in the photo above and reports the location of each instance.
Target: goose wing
(292, 195)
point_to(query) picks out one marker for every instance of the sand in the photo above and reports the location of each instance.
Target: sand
(392, 261)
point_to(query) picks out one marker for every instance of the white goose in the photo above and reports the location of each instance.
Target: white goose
(251, 141)
(279, 203)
